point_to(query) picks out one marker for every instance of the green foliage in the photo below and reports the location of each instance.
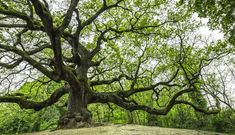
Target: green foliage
(220, 13)
(224, 122)
(15, 120)
(184, 117)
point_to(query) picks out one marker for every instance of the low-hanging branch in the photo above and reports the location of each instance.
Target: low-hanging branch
(27, 104)
(133, 106)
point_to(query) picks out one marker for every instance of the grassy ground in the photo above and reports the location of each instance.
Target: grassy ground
(126, 130)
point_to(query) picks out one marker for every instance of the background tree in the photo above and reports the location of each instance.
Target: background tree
(109, 51)
(221, 14)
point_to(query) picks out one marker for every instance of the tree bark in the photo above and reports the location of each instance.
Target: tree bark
(78, 114)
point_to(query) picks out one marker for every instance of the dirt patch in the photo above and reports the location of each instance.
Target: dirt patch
(126, 130)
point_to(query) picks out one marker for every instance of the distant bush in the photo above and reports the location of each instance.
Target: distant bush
(224, 121)
(181, 117)
(14, 120)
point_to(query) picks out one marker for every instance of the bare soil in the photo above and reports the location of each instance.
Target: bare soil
(126, 130)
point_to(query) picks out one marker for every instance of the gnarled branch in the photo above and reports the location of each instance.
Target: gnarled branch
(27, 104)
(31, 61)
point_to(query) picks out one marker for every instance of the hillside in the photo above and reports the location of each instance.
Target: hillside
(126, 130)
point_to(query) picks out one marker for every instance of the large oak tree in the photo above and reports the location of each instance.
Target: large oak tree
(109, 51)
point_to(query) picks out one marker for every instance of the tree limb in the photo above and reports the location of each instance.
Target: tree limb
(13, 65)
(95, 83)
(118, 100)
(100, 11)
(68, 16)
(142, 89)
(44, 14)
(31, 61)
(26, 104)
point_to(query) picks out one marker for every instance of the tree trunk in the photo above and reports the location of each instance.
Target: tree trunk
(78, 115)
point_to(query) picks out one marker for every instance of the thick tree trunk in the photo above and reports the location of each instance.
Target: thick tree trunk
(78, 115)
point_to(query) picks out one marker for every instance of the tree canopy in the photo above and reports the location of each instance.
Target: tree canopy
(113, 51)
(221, 14)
